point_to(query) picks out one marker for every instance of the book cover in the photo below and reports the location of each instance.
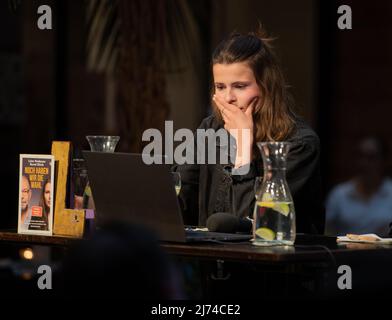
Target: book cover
(36, 184)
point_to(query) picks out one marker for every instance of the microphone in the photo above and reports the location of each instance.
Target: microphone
(228, 223)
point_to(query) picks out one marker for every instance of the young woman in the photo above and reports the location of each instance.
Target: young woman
(249, 92)
(44, 203)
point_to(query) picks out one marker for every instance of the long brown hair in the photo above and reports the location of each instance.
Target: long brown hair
(273, 117)
(45, 208)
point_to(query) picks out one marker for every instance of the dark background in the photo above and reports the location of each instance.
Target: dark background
(48, 91)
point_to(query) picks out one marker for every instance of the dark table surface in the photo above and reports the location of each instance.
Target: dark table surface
(7, 236)
(232, 251)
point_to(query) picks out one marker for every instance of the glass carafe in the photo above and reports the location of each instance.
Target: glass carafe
(274, 214)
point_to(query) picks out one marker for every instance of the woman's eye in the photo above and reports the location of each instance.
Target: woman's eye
(219, 88)
(240, 86)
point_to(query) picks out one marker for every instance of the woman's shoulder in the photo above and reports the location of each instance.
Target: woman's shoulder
(210, 122)
(303, 133)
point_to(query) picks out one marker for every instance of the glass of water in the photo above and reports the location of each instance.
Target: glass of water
(177, 182)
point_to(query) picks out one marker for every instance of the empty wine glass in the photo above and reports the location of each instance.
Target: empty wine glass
(103, 143)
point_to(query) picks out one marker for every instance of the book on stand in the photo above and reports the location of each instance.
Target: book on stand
(36, 191)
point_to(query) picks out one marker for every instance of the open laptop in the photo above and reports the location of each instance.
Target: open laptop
(126, 189)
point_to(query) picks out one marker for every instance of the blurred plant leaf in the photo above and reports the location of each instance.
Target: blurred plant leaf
(180, 35)
(103, 33)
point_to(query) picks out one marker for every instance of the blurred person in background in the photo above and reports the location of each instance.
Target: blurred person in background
(119, 261)
(364, 203)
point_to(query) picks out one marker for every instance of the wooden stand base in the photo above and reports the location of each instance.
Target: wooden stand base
(67, 222)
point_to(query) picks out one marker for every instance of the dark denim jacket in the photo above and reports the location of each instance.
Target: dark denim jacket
(209, 188)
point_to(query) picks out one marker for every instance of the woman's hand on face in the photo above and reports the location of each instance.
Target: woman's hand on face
(236, 121)
(233, 116)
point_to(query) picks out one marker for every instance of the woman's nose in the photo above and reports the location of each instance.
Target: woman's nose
(229, 96)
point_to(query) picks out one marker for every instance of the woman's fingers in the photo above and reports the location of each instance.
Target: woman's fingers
(233, 116)
(223, 105)
(251, 107)
(219, 106)
(226, 114)
(225, 119)
(249, 111)
(222, 110)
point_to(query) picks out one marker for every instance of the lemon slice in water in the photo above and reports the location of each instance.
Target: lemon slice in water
(265, 233)
(281, 207)
(266, 204)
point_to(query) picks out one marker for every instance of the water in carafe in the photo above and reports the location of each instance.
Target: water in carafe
(274, 213)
